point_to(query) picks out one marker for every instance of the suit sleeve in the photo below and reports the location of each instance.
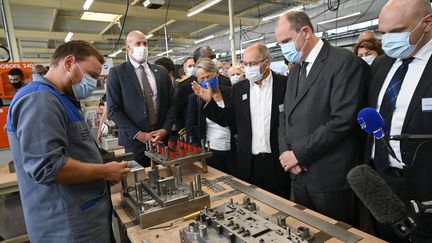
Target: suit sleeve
(192, 128)
(224, 117)
(283, 144)
(115, 104)
(345, 101)
(170, 117)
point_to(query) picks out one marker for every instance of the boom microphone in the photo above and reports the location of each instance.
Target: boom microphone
(381, 201)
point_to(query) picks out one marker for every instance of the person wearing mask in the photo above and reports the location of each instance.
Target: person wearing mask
(401, 91)
(368, 50)
(318, 134)
(185, 90)
(16, 78)
(236, 74)
(139, 99)
(187, 70)
(61, 174)
(254, 113)
(199, 127)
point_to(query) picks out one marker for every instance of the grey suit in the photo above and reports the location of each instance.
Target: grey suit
(319, 126)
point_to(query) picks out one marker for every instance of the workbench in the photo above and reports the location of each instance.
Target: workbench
(169, 231)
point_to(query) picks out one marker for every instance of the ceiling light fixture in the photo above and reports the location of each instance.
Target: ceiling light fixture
(204, 39)
(148, 36)
(253, 40)
(87, 4)
(103, 17)
(162, 25)
(340, 18)
(163, 53)
(68, 36)
(115, 53)
(274, 16)
(201, 7)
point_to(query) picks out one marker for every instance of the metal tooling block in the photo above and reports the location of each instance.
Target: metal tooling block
(159, 202)
(188, 158)
(241, 222)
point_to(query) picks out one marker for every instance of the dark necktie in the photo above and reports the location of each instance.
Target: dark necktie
(302, 77)
(148, 97)
(387, 108)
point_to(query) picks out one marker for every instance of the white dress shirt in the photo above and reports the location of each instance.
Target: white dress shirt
(218, 136)
(313, 54)
(409, 85)
(152, 80)
(260, 110)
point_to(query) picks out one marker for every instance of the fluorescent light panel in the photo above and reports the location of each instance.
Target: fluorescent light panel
(87, 4)
(253, 40)
(163, 53)
(149, 36)
(201, 7)
(340, 18)
(115, 53)
(162, 25)
(274, 16)
(68, 36)
(102, 17)
(204, 39)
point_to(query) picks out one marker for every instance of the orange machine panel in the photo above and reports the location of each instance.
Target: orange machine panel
(4, 142)
(6, 90)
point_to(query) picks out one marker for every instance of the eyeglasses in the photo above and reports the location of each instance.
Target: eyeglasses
(250, 64)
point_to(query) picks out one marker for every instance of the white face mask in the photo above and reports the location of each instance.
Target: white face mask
(235, 79)
(140, 53)
(369, 59)
(190, 71)
(253, 73)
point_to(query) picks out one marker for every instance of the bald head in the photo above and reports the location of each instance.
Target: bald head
(366, 35)
(258, 51)
(133, 35)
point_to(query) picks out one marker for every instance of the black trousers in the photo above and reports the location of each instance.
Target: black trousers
(268, 174)
(222, 160)
(339, 205)
(141, 159)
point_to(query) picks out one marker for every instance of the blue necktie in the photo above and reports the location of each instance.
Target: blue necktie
(387, 108)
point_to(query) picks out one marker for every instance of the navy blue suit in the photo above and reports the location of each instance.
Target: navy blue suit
(126, 103)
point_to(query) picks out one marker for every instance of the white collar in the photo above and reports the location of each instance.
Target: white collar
(425, 52)
(265, 81)
(136, 65)
(313, 54)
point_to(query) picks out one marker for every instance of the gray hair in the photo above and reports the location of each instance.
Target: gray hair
(206, 64)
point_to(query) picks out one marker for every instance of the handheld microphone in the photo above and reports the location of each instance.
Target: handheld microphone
(381, 201)
(372, 123)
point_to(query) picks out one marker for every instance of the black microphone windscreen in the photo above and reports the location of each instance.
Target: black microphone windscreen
(376, 195)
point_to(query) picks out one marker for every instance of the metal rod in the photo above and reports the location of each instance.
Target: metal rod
(232, 34)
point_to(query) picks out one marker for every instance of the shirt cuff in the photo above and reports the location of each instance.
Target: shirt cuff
(136, 135)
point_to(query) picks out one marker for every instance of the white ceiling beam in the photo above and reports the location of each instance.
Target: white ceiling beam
(134, 11)
(46, 35)
(203, 29)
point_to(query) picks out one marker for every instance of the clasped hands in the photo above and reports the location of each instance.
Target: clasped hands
(154, 136)
(290, 163)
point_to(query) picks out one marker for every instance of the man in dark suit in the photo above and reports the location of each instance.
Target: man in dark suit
(317, 129)
(254, 113)
(401, 90)
(185, 90)
(139, 97)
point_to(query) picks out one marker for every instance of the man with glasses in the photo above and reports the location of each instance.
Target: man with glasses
(318, 136)
(257, 102)
(401, 90)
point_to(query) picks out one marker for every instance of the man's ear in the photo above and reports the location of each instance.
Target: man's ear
(68, 61)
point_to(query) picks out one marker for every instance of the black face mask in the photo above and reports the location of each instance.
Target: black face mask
(17, 85)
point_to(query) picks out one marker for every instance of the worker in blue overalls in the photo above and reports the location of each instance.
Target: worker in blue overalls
(61, 175)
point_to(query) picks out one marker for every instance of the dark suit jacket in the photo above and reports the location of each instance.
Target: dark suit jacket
(126, 103)
(196, 124)
(319, 125)
(182, 96)
(418, 173)
(239, 116)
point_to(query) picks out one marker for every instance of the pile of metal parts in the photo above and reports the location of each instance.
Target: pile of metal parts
(156, 199)
(242, 222)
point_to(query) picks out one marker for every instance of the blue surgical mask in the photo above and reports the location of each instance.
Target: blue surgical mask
(84, 88)
(397, 45)
(290, 52)
(369, 59)
(213, 83)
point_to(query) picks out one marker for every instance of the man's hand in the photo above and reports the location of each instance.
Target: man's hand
(288, 160)
(159, 135)
(296, 169)
(143, 137)
(205, 94)
(115, 171)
